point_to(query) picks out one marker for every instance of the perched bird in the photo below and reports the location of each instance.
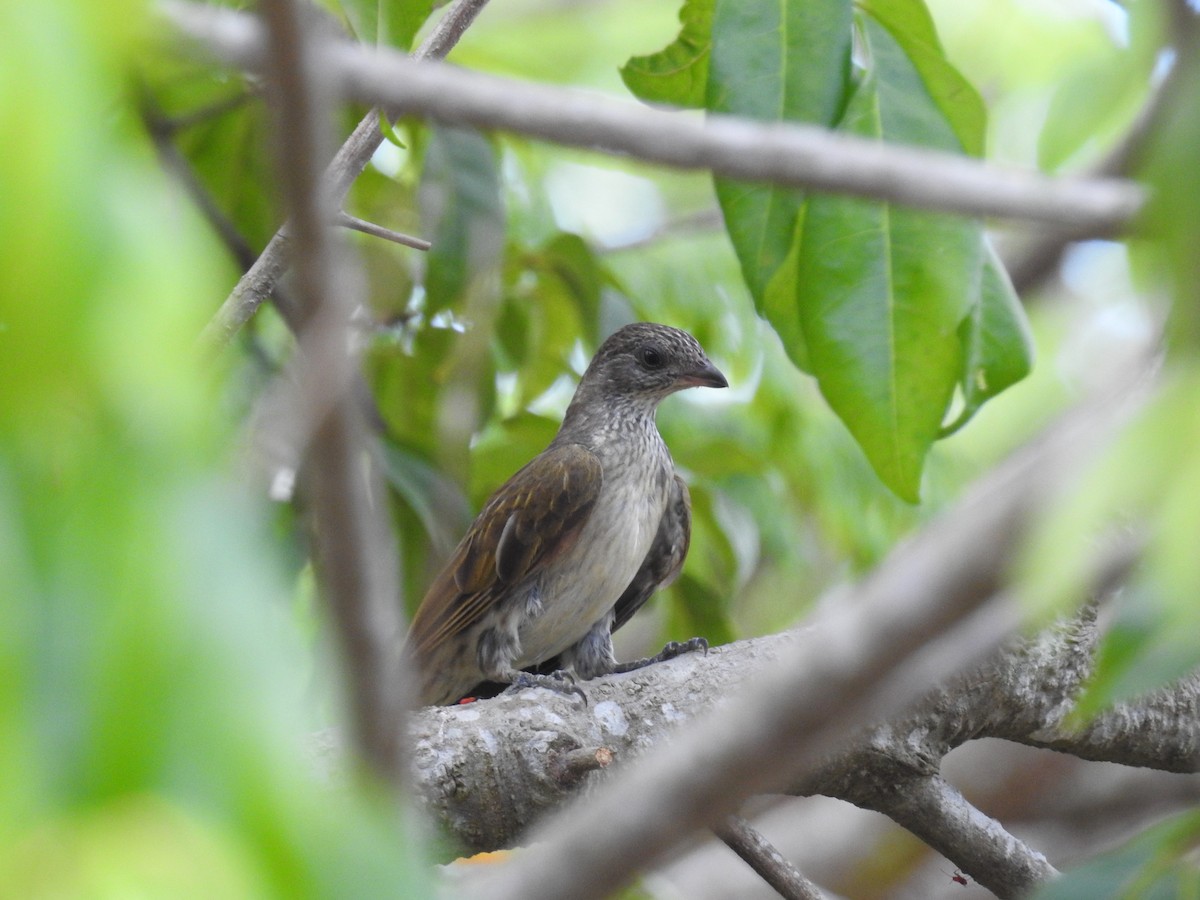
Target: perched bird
(576, 541)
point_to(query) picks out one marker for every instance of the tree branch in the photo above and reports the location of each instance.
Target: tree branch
(791, 154)
(353, 222)
(742, 838)
(483, 767)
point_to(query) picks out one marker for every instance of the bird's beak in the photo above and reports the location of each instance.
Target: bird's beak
(707, 376)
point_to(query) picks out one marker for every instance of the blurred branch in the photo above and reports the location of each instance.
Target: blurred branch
(744, 840)
(348, 221)
(353, 545)
(1031, 262)
(262, 278)
(792, 154)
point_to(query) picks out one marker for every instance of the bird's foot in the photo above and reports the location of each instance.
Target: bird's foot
(561, 682)
(672, 650)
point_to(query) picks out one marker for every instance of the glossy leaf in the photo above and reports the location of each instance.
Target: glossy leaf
(911, 27)
(881, 290)
(998, 345)
(678, 73)
(774, 62)
(461, 213)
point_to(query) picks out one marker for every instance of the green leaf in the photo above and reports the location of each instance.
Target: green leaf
(433, 497)
(1143, 650)
(462, 212)
(697, 610)
(911, 27)
(677, 74)
(881, 290)
(390, 134)
(997, 341)
(503, 447)
(778, 302)
(1155, 865)
(774, 62)
(581, 275)
(1149, 477)
(1095, 102)
(385, 22)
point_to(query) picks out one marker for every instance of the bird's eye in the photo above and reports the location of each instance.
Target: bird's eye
(651, 357)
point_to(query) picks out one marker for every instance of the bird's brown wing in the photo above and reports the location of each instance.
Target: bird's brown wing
(665, 557)
(531, 520)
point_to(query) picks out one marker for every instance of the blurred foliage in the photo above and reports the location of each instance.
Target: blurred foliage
(160, 656)
(1157, 865)
(152, 723)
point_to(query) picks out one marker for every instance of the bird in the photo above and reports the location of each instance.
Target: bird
(575, 542)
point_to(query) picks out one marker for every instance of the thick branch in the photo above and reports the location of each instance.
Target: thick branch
(484, 768)
(790, 154)
(1160, 731)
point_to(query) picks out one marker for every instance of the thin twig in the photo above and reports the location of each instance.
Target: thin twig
(745, 840)
(353, 222)
(162, 131)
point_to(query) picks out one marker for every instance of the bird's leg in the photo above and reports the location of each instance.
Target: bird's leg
(672, 650)
(592, 655)
(496, 652)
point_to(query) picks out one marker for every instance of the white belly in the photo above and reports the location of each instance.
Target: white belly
(578, 589)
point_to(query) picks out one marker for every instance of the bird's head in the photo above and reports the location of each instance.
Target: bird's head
(645, 362)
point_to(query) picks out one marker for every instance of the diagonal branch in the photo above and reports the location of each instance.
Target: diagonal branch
(396, 237)
(744, 840)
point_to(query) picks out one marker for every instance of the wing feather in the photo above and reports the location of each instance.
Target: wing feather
(534, 518)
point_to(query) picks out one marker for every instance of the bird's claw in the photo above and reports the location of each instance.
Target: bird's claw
(677, 648)
(561, 682)
(670, 651)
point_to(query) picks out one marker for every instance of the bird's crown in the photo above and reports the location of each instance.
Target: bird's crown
(650, 361)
